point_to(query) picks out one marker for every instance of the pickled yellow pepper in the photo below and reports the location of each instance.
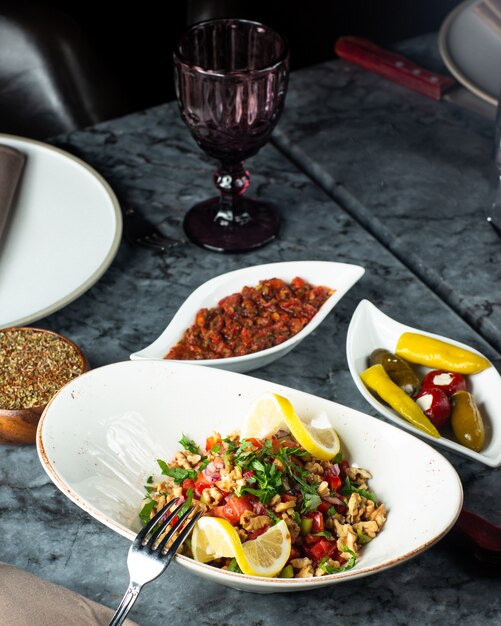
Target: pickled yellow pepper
(378, 380)
(438, 354)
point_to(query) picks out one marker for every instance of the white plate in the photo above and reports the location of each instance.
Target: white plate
(370, 329)
(471, 49)
(63, 234)
(338, 276)
(100, 436)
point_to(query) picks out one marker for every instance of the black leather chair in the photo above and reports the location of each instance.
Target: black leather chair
(51, 78)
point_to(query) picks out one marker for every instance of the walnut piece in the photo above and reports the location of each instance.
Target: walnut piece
(250, 521)
(356, 508)
(283, 506)
(323, 489)
(314, 467)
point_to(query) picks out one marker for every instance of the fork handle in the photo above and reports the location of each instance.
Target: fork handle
(127, 603)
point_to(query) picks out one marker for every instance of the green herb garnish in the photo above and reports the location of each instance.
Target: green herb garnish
(334, 570)
(189, 444)
(324, 533)
(187, 504)
(203, 464)
(145, 512)
(177, 473)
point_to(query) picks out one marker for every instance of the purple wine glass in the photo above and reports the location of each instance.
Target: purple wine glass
(231, 78)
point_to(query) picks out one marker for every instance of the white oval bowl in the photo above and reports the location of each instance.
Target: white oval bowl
(338, 276)
(370, 328)
(100, 436)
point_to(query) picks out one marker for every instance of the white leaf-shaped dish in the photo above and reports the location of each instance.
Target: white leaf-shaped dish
(338, 276)
(100, 436)
(370, 329)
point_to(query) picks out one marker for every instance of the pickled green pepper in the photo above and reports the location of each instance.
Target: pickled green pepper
(466, 421)
(378, 380)
(397, 369)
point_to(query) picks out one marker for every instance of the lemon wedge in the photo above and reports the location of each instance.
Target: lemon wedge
(265, 418)
(265, 556)
(213, 538)
(271, 412)
(268, 554)
(318, 437)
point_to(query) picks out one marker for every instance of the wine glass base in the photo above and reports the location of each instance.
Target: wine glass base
(257, 226)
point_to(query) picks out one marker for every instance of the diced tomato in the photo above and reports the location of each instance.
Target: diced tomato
(232, 509)
(320, 549)
(309, 540)
(255, 533)
(323, 507)
(188, 483)
(318, 522)
(201, 483)
(333, 480)
(248, 474)
(212, 441)
(255, 442)
(275, 444)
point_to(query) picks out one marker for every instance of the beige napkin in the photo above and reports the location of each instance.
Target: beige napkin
(26, 600)
(490, 12)
(11, 167)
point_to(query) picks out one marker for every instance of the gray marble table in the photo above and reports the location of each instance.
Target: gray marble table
(415, 172)
(152, 163)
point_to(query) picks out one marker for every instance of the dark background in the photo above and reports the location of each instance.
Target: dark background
(137, 42)
(67, 64)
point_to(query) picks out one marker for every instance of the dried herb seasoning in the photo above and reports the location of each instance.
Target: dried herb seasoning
(34, 365)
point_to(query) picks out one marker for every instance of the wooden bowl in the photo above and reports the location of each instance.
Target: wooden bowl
(19, 426)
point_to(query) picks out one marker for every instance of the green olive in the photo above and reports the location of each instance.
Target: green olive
(398, 370)
(466, 421)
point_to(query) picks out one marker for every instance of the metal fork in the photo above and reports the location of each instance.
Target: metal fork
(148, 558)
(139, 231)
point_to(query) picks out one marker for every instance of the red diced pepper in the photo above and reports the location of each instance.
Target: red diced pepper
(212, 441)
(322, 548)
(201, 483)
(255, 533)
(323, 507)
(232, 509)
(188, 483)
(255, 442)
(333, 480)
(318, 522)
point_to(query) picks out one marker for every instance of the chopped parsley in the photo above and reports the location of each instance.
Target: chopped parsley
(233, 566)
(177, 473)
(145, 512)
(187, 504)
(271, 466)
(204, 464)
(189, 444)
(324, 533)
(328, 569)
(348, 488)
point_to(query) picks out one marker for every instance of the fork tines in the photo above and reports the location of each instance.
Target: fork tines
(159, 524)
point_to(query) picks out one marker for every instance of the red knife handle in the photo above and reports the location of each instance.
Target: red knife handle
(393, 66)
(481, 532)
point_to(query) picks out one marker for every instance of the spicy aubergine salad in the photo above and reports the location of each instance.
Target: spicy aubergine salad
(278, 498)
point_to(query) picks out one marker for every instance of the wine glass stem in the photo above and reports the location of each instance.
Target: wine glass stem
(232, 180)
